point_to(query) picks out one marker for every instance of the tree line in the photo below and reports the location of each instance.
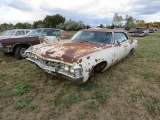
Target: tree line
(50, 21)
(59, 21)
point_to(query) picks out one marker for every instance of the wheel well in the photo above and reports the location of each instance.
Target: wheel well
(100, 66)
(132, 50)
(17, 45)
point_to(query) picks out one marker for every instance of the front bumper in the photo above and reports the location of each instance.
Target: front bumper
(56, 72)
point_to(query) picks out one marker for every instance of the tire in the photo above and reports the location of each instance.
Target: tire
(100, 67)
(20, 52)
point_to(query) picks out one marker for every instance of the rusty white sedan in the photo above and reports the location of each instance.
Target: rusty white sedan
(89, 50)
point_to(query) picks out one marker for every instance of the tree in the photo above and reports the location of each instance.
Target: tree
(23, 26)
(101, 26)
(6, 26)
(38, 24)
(117, 20)
(129, 22)
(53, 21)
(71, 25)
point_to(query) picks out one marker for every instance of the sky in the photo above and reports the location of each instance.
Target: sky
(91, 12)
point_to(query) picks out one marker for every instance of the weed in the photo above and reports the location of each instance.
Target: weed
(20, 106)
(101, 96)
(23, 105)
(21, 89)
(91, 105)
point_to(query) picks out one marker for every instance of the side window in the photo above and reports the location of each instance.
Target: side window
(54, 33)
(27, 31)
(58, 33)
(48, 33)
(18, 33)
(120, 37)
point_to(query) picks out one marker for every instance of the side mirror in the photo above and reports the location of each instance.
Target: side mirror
(118, 42)
(42, 35)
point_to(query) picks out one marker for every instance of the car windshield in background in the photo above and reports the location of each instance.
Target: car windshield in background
(3, 33)
(35, 33)
(51, 32)
(93, 36)
(10, 33)
(46, 32)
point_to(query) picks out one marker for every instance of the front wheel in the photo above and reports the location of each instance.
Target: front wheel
(20, 52)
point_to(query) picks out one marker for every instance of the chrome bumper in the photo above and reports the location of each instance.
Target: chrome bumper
(56, 72)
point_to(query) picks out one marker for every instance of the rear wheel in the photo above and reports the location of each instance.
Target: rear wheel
(20, 52)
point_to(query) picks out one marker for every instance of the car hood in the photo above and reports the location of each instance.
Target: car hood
(69, 51)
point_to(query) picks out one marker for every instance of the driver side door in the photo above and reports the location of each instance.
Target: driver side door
(121, 47)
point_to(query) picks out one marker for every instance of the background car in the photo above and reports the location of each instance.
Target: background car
(139, 31)
(18, 45)
(15, 33)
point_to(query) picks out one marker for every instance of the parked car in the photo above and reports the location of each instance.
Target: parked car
(3, 33)
(151, 30)
(88, 51)
(140, 31)
(15, 33)
(18, 45)
(132, 30)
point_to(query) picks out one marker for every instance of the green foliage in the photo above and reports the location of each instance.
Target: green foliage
(53, 20)
(101, 96)
(117, 20)
(23, 26)
(129, 22)
(152, 105)
(71, 25)
(6, 26)
(22, 105)
(91, 105)
(21, 89)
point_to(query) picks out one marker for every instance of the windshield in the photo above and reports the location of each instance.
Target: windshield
(3, 33)
(93, 36)
(36, 32)
(10, 33)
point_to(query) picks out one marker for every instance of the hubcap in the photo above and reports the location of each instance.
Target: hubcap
(22, 52)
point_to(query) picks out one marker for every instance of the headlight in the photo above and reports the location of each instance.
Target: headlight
(66, 68)
(71, 70)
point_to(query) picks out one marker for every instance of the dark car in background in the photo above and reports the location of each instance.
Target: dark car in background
(18, 45)
(139, 32)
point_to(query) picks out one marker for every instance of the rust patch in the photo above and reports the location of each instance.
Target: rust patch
(96, 60)
(88, 57)
(80, 65)
(80, 60)
(71, 51)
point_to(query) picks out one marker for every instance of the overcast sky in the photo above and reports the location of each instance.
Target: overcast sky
(91, 12)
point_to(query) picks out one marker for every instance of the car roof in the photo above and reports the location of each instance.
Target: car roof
(103, 30)
(48, 29)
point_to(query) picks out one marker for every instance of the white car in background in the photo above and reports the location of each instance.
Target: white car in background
(15, 33)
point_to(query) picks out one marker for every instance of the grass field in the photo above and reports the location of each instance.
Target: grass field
(130, 90)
